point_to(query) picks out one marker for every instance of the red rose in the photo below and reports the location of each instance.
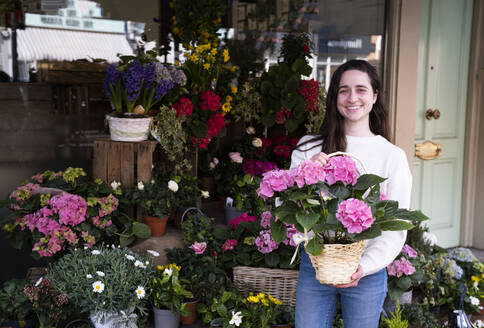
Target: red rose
(209, 100)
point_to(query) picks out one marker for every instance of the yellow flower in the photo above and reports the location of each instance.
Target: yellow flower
(228, 98)
(234, 89)
(274, 300)
(190, 47)
(233, 68)
(253, 299)
(475, 278)
(186, 54)
(261, 295)
(214, 51)
(226, 55)
(177, 62)
(265, 302)
(206, 66)
(159, 267)
(226, 107)
(194, 57)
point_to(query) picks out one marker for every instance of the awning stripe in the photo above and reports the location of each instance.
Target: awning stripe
(64, 45)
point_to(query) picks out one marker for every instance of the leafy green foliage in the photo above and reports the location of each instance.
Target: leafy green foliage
(14, 304)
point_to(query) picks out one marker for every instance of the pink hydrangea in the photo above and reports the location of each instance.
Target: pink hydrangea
(265, 219)
(198, 248)
(71, 208)
(290, 231)
(406, 249)
(21, 194)
(308, 173)
(108, 204)
(401, 267)
(229, 245)
(341, 168)
(355, 215)
(242, 218)
(265, 244)
(275, 180)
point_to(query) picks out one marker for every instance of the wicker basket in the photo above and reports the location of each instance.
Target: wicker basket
(280, 283)
(337, 263)
(129, 128)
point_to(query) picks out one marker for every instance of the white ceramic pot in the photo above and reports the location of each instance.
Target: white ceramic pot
(129, 128)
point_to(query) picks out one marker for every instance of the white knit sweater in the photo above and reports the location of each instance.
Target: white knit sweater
(382, 158)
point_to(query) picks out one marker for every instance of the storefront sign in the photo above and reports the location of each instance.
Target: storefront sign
(75, 23)
(360, 45)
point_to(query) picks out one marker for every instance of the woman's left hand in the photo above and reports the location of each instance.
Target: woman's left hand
(355, 279)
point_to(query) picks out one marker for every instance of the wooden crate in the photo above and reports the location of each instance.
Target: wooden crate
(125, 162)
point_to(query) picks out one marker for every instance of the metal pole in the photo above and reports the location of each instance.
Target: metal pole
(14, 47)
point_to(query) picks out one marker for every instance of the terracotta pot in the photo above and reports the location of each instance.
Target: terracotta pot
(157, 225)
(190, 319)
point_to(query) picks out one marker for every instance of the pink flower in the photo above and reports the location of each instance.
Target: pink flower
(198, 248)
(242, 218)
(229, 245)
(236, 157)
(265, 220)
(341, 168)
(290, 231)
(400, 267)
(275, 180)
(406, 249)
(265, 244)
(308, 172)
(71, 208)
(383, 196)
(355, 215)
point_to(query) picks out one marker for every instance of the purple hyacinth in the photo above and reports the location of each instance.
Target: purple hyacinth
(133, 78)
(178, 76)
(162, 88)
(112, 77)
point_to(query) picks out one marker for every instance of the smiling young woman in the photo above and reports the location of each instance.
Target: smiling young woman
(356, 122)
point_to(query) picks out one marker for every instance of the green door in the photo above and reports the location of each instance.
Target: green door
(442, 85)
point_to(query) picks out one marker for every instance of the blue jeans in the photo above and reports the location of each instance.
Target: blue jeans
(316, 303)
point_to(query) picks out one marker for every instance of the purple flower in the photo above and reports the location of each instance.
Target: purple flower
(265, 220)
(178, 76)
(257, 167)
(341, 168)
(406, 249)
(355, 215)
(112, 78)
(265, 244)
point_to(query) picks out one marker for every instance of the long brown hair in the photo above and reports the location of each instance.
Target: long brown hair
(332, 135)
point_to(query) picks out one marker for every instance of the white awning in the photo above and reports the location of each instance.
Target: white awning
(35, 43)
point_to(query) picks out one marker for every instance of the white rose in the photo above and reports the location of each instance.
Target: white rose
(205, 194)
(257, 142)
(250, 130)
(173, 186)
(141, 186)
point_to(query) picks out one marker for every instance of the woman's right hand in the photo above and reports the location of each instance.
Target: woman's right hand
(321, 158)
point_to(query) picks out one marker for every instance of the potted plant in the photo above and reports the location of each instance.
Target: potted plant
(168, 296)
(316, 198)
(109, 283)
(49, 306)
(134, 86)
(57, 211)
(15, 308)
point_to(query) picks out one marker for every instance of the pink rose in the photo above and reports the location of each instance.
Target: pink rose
(236, 157)
(198, 248)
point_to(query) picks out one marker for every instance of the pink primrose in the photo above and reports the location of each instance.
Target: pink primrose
(411, 253)
(341, 168)
(198, 248)
(355, 215)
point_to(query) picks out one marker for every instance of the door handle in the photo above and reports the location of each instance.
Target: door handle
(428, 150)
(429, 114)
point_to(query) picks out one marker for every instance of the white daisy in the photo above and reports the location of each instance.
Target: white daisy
(95, 252)
(100, 273)
(88, 276)
(129, 257)
(97, 286)
(140, 292)
(152, 252)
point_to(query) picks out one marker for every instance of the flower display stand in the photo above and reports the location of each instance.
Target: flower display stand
(125, 162)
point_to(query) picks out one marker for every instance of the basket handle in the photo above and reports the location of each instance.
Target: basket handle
(188, 210)
(342, 153)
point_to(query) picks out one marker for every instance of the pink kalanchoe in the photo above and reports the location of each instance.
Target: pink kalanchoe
(355, 215)
(341, 168)
(229, 245)
(242, 218)
(401, 267)
(411, 253)
(275, 180)
(198, 248)
(308, 173)
(265, 244)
